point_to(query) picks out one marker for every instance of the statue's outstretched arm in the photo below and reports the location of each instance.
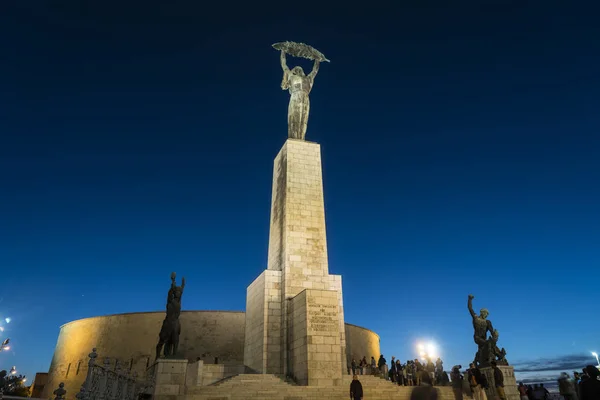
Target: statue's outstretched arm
(283, 62)
(314, 71)
(470, 305)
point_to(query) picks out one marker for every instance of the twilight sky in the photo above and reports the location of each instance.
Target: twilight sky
(460, 153)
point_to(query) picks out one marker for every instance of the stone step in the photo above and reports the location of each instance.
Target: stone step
(271, 387)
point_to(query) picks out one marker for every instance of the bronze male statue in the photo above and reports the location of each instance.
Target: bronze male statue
(169, 333)
(481, 326)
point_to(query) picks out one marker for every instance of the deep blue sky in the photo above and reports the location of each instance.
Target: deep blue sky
(460, 153)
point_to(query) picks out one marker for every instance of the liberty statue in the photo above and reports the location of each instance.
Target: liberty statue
(298, 84)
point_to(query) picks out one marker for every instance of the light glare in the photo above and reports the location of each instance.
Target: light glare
(427, 350)
(7, 320)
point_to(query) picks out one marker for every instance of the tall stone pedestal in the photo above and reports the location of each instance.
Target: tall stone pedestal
(294, 309)
(510, 383)
(168, 377)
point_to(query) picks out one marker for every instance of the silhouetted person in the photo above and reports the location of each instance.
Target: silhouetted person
(425, 391)
(589, 389)
(356, 390)
(439, 370)
(373, 365)
(475, 378)
(382, 363)
(523, 391)
(566, 387)
(418, 372)
(399, 373)
(576, 380)
(536, 393)
(498, 381)
(457, 382)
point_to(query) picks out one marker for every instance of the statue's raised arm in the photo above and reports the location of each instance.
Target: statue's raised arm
(314, 71)
(284, 66)
(470, 305)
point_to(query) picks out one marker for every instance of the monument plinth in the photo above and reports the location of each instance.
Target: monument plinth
(294, 309)
(510, 383)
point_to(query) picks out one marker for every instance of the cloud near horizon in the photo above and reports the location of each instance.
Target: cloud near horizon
(566, 363)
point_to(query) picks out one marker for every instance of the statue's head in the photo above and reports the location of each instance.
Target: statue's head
(483, 313)
(298, 71)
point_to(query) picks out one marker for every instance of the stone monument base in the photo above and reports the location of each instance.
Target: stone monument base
(168, 377)
(315, 339)
(510, 383)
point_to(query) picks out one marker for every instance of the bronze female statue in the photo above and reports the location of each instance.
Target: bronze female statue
(299, 85)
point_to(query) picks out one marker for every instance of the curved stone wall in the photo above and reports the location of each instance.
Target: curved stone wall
(361, 342)
(131, 338)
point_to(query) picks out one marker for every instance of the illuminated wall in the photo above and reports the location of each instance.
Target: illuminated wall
(131, 338)
(361, 342)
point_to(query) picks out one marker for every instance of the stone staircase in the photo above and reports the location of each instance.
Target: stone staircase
(270, 387)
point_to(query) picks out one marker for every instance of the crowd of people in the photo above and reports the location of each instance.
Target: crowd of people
(583, 386)
(404, 374)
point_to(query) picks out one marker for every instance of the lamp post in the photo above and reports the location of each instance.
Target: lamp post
(4, 345)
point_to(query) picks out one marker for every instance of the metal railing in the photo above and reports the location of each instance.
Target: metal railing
(104, 383)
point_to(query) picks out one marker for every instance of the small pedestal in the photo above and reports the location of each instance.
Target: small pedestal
(510, 383)
(168, 376)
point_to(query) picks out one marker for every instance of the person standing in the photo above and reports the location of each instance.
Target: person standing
(566, 387)
(392, 370)
(576, 380)
(373, 365)
(457, 382)
(363, 366)
(418, 372)
(356, 390)
(589, 389)
(498, 381)
(382, 364)
(439, 370)
(409, 373)
(476, 380)
(523, 391)
(399, 373)
(425, 391)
